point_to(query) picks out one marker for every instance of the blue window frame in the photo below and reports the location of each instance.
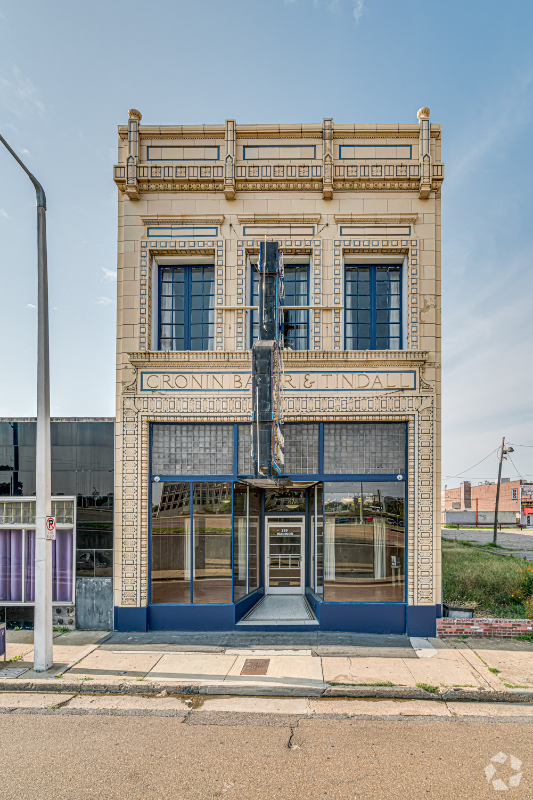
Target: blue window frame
(187, 308)
(296, 321)
(373, 307)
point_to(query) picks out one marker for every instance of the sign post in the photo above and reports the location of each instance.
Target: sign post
(3, 640)
(50, 528)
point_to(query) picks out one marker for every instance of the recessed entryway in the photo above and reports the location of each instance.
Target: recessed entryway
(279, 609)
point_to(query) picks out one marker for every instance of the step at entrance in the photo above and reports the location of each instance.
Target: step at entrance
(279, 609)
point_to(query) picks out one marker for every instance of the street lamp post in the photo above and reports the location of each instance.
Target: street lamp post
(43, 652)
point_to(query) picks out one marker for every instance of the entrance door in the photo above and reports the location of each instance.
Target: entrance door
(284, 538)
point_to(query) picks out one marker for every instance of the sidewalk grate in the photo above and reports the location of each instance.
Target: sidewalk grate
(255, 666)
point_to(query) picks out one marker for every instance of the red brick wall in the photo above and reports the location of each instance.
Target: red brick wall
(449, 626)
(486, 497)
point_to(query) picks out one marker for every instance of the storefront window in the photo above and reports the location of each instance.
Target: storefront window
(212, 542)
(171, 543)
(364, 542)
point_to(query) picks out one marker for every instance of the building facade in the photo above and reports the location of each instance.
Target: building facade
(351, 528)
(476, 504)
(82, 472)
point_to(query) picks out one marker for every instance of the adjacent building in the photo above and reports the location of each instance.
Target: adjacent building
(469, 504)
(347, 538)
(82, 461)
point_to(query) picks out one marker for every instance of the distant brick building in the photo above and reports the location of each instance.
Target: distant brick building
(465, 497)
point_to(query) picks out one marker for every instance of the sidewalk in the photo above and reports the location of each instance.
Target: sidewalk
(298, 665)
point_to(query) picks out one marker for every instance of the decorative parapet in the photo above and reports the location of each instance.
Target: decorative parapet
(330, 171)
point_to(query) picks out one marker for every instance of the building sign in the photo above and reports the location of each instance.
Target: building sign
(526, 492)
(373, 381)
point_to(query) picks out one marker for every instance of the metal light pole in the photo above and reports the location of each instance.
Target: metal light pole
(43, 652)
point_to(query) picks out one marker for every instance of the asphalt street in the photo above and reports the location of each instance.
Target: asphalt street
(249, 756)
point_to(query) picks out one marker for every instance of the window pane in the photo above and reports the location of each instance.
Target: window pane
(192, 449)
(171, 543)
(364, 542)
(240, 536)
(11, 564)
(212, 542)
(301, 449)
(357, 448)
(85, 563)
(277, 500)
(103, 563)
(319, 540)
(62, 556)
(254, 554)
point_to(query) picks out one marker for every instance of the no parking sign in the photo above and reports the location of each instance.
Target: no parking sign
(51, 528)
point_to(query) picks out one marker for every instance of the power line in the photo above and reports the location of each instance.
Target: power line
(460, 475)
(514, 465)
(521, 445)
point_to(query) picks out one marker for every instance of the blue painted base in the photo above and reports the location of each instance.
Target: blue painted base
(194, 617)
(395, 618)
(131, 619)
(422, 620)
(363, 617)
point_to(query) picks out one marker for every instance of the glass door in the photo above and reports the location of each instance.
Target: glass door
(284, 555)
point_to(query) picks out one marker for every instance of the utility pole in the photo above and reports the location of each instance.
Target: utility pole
(502, 456)
(42, 634)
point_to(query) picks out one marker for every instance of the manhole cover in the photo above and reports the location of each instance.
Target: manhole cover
(255, 666)
(13, 672)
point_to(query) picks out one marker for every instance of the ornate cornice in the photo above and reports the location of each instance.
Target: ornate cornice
(375, 218)
(306, 359)
(183, 219)
(266, 218)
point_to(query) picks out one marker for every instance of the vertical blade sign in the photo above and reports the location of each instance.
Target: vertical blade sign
(267, 366)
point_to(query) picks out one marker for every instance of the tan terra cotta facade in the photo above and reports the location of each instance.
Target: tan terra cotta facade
(358, 206)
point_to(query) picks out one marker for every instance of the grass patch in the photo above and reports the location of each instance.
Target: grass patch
(516, 686)
(524, 637)
(500, 587)
(428, 688)
(493, 670)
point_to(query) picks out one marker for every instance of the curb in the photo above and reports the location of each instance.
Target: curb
(173, 688)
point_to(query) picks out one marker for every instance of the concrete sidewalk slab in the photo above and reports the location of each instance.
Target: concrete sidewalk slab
(257, 705)
(466, 709)
(376, 708)
(128, 703)
(513, 667)
(207, 666)
(445, 673)
(103, 665)
(283, 669)
(33, 699)
(368, 671)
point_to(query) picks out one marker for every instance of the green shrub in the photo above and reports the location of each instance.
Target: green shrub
(491, 582)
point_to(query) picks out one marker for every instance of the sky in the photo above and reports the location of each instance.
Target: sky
(70, 71)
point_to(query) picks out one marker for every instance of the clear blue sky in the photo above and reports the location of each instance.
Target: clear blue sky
(69, 71)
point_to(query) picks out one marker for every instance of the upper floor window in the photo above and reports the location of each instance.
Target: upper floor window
(373, 307)
(187, 308)
(296, 321)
